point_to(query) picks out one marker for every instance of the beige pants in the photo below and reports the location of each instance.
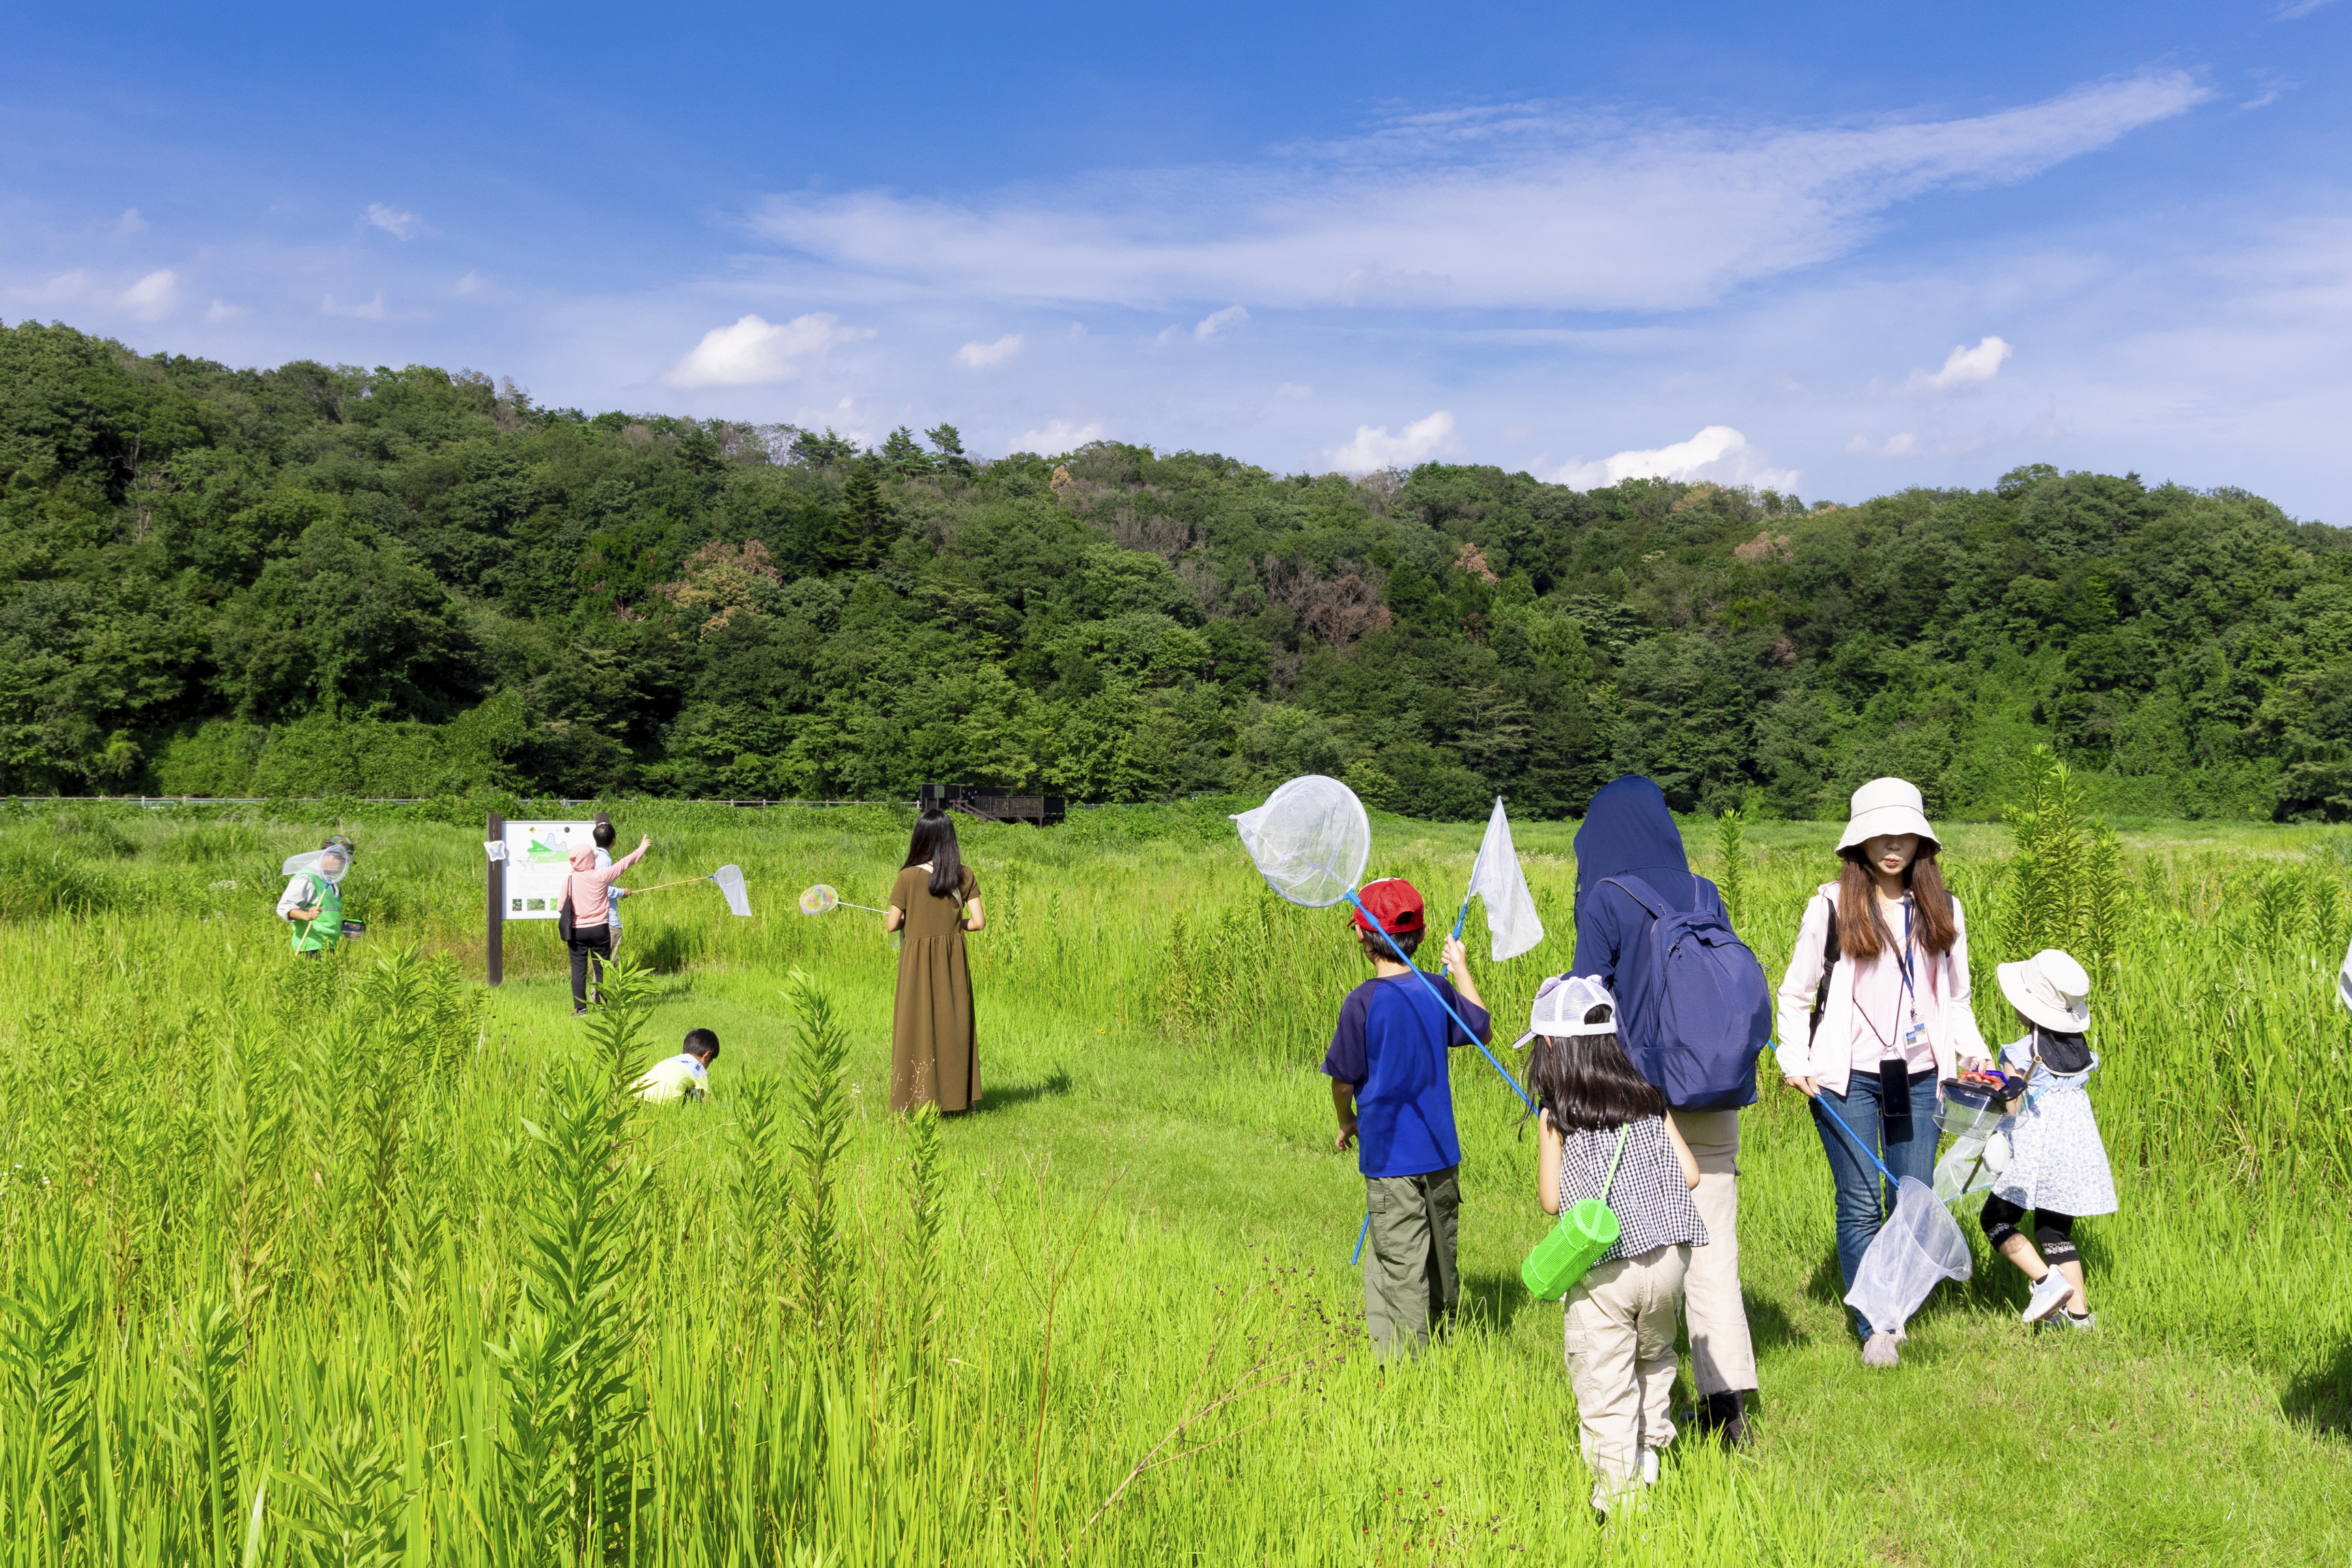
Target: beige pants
(1620, 1362)
(1723, 1359)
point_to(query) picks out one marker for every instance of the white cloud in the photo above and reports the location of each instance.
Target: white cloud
(2294, 10)
(754, 351)
(977, 356)
(153, 297)
(1293, 389)
(1902, 443)
(1374, 448)
(370, 310)
(1718, 453)
(1517, 207)
(472, 283)
(130, 222)
(1217, 321)
(1963, 366)
(1059, 436)
(220, 310)
(393, 222)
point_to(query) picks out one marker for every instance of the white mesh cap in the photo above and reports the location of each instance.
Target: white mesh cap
(1310, 840)
(1562, 1002)
(730, 878)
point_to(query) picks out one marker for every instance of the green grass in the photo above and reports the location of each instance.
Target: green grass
(264, 1225)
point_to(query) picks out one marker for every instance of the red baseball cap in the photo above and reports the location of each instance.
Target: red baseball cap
(1394, 902)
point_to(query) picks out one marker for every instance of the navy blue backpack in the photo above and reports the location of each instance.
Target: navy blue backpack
(1693, 1008)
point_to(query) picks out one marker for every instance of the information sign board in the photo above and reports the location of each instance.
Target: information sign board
(539, 857)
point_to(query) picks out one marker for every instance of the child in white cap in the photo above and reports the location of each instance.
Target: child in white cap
(1601, 1125)
(2058, 1165)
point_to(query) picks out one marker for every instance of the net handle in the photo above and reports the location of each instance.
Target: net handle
(1439, 997)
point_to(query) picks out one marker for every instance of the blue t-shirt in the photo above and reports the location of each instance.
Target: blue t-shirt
(1390, 1045)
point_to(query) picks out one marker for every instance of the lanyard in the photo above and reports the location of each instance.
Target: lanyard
(1903, 967)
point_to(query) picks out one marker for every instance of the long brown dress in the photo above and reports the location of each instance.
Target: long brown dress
(934, 1050)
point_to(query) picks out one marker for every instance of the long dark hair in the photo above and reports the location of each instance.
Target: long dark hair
(1587, 1082)
(934, 840)
(1857, 890)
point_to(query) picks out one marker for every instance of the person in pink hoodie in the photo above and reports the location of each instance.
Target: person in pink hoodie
(589, 890)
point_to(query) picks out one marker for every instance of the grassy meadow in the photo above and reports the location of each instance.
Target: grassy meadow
(362, 1263)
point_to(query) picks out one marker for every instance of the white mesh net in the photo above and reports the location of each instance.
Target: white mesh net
(818, 899)
(1920, 1245)
(1310, 839)
(330, 864)
(730, 878)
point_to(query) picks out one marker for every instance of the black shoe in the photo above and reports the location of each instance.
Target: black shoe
(1725, 1416)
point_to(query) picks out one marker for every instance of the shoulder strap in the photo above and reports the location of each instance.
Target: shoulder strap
(1829, 963)
(1641, 893)
(1612, 1178)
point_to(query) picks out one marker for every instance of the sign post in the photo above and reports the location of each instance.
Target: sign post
(494, 833)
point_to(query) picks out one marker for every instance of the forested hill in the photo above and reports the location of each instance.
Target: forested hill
(317, 581)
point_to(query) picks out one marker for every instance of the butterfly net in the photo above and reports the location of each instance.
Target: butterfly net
(730, 878)
(1920, 1245)
(1310, 840)
(818, 899)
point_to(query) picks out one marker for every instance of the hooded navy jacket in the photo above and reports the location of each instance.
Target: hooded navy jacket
(1628, 831)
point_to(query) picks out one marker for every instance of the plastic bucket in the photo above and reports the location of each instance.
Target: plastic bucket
(1585, 1231)
(1965, 1108)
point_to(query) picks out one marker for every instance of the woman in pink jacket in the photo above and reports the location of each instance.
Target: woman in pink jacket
(589, 892)
(1874, 1013)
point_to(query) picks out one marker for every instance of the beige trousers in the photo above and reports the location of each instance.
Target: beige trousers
(1723, 1359)
(1621, 1362)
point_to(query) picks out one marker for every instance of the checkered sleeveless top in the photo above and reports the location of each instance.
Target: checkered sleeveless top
(1651, 1201)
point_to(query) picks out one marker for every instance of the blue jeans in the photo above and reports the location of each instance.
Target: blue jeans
(1860, 1208)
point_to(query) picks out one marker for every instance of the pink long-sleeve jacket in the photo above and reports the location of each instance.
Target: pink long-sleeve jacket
(592, 900)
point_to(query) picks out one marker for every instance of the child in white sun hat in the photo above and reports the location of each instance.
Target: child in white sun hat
(1602, 1132)
(2058, 1165)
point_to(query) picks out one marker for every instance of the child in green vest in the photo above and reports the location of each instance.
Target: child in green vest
(313, 900)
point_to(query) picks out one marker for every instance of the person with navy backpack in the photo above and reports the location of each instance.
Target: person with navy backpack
(1694, 1012)
(1874, 1013)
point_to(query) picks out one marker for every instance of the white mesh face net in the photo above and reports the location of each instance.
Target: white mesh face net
(1310, 840)
(730, 878)
(328, 864)
(818, 899)
(1921, 1245)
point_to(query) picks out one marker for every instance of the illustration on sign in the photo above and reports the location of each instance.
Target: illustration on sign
(539, 858)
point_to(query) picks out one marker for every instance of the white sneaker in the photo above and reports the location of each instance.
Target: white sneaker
(1879, 1351)
(2088, 1322)
(1649, 1466)
(2049, 1292)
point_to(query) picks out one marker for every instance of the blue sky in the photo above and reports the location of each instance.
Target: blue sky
(1835, 248)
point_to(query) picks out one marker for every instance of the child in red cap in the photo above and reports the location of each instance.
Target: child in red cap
(1389, 1084)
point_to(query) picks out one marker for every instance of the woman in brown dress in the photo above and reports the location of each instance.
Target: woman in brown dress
(934, 1053)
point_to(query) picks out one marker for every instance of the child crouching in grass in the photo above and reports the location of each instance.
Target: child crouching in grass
(1600, 1124)
(686, 1076)
(2057, 1163)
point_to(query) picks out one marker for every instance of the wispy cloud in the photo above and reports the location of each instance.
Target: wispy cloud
(393, 222)
(1217, 321)
(755, 352)
(1293, 389)
(2294, 10)
(150, 298)
(1719, 453)
(978, 356)
(367, 310)
(130, 222)
(1374, 448)
(1058, 435)
(221, 310)
(1519, 207)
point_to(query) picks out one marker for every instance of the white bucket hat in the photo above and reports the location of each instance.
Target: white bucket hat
(1887, 805)
(1562, 1002)
(2050, 989)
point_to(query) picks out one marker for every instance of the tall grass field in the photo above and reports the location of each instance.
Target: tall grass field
(360, 1262)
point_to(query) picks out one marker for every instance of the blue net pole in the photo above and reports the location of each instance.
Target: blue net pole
(1439, 997)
